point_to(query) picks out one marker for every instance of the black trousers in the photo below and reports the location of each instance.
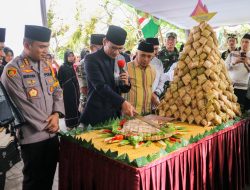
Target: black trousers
(40, 160)
(2, 180)
(242, 98)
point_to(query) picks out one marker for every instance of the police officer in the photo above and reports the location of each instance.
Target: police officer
(231, 42)
(31, 83)
(104, 101)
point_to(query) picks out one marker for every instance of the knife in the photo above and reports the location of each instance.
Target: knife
(145, 120)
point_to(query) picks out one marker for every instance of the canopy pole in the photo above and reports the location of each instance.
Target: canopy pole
(43, 12)
(187, 33)
(161, 37)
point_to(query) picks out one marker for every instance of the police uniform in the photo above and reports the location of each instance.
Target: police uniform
(35, 91)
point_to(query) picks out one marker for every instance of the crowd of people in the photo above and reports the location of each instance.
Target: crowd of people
(106, 83)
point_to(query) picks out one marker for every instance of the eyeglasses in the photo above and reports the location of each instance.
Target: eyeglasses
(231, 36)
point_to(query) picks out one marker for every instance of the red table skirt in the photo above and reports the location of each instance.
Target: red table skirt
(219, 161)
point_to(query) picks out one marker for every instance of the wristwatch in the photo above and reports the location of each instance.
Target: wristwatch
(59, 113)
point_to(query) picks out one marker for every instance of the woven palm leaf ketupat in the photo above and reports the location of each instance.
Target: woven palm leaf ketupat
(201, 92)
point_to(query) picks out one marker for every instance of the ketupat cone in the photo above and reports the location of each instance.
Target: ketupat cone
(201, 91)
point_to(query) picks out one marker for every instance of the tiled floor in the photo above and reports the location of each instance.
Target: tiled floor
(14, 178)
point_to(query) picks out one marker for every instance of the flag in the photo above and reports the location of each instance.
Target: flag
(200, 13)
(148, 27)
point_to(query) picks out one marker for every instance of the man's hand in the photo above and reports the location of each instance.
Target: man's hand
(128, 109)
(154, 100)
(124, 76)
(244, 60)
(239, 60)
(53, 123)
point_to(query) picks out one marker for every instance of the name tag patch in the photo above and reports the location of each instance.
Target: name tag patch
(28, 76)
(47, 74)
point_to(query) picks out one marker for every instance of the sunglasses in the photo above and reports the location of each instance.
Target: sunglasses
(231, 35)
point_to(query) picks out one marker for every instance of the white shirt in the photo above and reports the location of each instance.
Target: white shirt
(237, 72)
(159, 78)
(170, 74)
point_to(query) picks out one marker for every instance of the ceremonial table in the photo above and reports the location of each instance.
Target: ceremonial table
(217, 161)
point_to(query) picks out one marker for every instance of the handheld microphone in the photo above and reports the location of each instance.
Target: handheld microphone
(121, 63)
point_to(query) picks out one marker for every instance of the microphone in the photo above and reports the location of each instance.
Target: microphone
(121, 63)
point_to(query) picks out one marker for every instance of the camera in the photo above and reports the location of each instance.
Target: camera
(243, 54)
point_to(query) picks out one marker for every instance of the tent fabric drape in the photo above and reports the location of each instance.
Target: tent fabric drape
(178, 12)
(219, 161)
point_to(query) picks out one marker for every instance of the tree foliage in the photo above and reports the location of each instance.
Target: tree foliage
(59, 29)
(89, 29)
(108, 12)
(75, 41)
